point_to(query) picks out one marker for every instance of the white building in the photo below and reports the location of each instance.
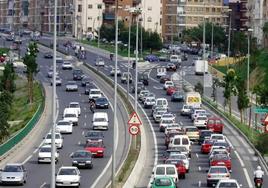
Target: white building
(152, 15)
(88, 17)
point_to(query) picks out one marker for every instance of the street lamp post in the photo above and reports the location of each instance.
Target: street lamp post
(204, 51)
(229, 37)
(212, 38)
(248, 60)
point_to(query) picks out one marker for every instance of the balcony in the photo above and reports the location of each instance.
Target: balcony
(109, 16)
(109, 1)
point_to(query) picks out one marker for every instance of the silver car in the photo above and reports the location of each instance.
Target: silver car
(13, 174)
(71, 86)
(58, 81)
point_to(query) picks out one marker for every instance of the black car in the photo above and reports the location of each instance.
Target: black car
(88, 87)
(94, 136)
(10, 38)
(144, 78)
(203, 134)
(77, 74)
(102, 102)
(48, 55)
(85, 80)
(82, 159)
(139, 88)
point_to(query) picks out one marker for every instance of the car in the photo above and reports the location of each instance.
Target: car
(181, 140)
(149, 102)
(102, 102)
(44, 154)
(96, 147)
(221, 160)
(144, 78)
(71, 86)
(163, 58)
(196, 112)
(151, 58)
(88, 87)
(77, 74)
(185, 110)
(164, 181)
(206, 146)
(192, 132)
(183, 157)
(184, 57)
(170, 134)
(216, 151)
(76, 106)
(171, 90)
(204, 134)
(165, 121)
(48, 55)
(228, 183)
(222, 144)
(166, 170)
(175, 59)
(64, 126)
(58, 139)
(100, 121)
(215, 124)
(168, 84)
(180, 165)
(17, 40)
(140, 86)
(13, 173)
(216, 173)
(71, 115)
(14, 46)
(10, 38)
(100, 62)
(112, 72)
(94, 94)
(142, 94)
(171, 67)
(59, 60)
(200, 121)
(173, 127)
(50, 72)
(178, 96)
(85, 80)
(68, 176)
(157, 114)
(67, 65)
(125, 77)
(94, 136)
(82, 159)
(58, 81)
(164, 78)
(218, 137)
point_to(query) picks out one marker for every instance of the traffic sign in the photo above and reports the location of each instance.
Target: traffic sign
(134, 119)
(134, 130)
(266, 120)
(259, 110)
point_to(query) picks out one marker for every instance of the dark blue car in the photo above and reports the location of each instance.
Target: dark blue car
(151, 58)
(177, 96)
(102, 102)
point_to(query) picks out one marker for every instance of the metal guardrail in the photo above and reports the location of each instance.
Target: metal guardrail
(14, 140)
(257, 153)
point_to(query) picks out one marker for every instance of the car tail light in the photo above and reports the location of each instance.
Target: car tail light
(209, 176)
(227, 175)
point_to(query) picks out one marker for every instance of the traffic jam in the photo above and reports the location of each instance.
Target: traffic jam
(205, 131)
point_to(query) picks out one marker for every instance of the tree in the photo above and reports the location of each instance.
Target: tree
(262, 145)
(242, 97)
(30, 61)
(229, 88)
(7, 80)
(199, 88)
(265, 33)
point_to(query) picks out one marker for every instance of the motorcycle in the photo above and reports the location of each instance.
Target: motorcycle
(258, 183)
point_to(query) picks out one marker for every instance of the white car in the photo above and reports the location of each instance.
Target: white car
(168, 84)
(218, 137)
(99, 62)
(217, 173)
(164, 123)
(66, 65)
(76, 106)
(94, 94)
(215, 151)
(58, 140)
(228, 183)
(149, 102)
(157, 114)
(58, 81)
(64, 126)
(185, 110)
(71, 115)
(143, 93)
(113, 72)
(196, 112)
(173, 127)
(44, 154)
(200, 121)
(182, 157)
(68, 176)
(168, 116)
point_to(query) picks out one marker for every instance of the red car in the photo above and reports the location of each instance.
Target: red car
(96, 148)
(206, 146)
(2, 59)
(221, 160)
(165, 78)
(171, 67)
(171, 90)
(215, 124)
(181, 169)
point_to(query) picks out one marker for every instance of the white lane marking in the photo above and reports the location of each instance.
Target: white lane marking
(199, 184)
(199, 168)
(155, 87)
(181, 124)
(197, 155)
(35, 150)
(83, 133)
(85, 116)
(154, 79)
(79, 143)
(43, 185)
(27, 159)
(248, 178)
(85, 124)
(239, 158)
(85, 108)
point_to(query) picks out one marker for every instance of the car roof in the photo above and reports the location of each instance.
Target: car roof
(14, 164)
(74, 103)
(68, 167)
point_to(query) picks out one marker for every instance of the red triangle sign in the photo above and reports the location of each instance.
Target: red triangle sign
(266, 119)
(134, 119)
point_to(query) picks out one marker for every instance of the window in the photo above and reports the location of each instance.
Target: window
(90, 18)
(99, 6)
(90, 6)
(149, 19)
(213, 9)
(149, 8)
(79, 8)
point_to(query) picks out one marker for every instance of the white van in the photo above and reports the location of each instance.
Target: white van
(71, 115)
(175, 59)
(181, 140)
(201, 67)
(161, 71)
(166, 170)
(161, 102)
(100, 120)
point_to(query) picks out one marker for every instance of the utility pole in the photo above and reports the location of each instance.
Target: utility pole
(204, 51)
(212, 38)
(129, 37)
(229, 38)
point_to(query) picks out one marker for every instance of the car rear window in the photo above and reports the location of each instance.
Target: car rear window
(185, 141)
(218, 170)
(170, 170)
(177, 141)
(163, 182)
(228, 185)
(160, 171)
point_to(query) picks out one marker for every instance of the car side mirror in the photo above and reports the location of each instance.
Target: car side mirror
(207, 171)
(1, 170)
(152, 172)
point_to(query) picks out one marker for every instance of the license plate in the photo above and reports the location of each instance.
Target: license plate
(81, 164)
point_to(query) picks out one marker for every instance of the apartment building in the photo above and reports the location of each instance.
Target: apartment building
(183, 14)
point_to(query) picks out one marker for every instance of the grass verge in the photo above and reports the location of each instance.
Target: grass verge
(21, 111)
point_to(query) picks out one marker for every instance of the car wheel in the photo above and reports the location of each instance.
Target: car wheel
(91, 166)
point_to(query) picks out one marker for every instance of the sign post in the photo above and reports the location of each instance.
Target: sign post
(134, 122)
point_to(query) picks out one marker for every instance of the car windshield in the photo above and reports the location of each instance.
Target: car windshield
(94, 92)
(13, 168)
(176, 156)
(99, 119)
(192, 129)
(94, 144)
(101, 100)
(202, 118)
(218, 171)
(220, 157)
(74, 105)
(94, 134)
(167, 121)
(63, 123)
(69, 115)
(57, 136)
(66, 63)
(224, 144)
(77, 71)
(163, 182)
(218, 137)
(205, 133)
(45, 149)
(81, 154)
(228, 185)
(67, 172)
(71, 83)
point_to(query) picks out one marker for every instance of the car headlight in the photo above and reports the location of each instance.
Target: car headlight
(75, 162)
(88, 161)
